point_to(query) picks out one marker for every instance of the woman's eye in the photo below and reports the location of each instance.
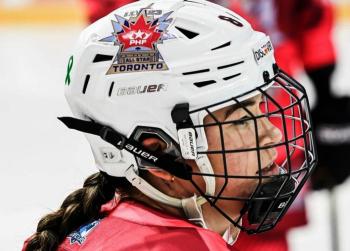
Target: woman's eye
(242, 121)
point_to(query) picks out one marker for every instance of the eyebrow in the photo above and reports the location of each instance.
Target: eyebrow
(236, 106)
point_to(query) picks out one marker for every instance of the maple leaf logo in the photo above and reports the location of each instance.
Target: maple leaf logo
(140, 34)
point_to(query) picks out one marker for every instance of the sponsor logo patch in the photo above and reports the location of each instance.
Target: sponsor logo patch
(262, 51)
(79, 236)
(188, 144)
(137, 38)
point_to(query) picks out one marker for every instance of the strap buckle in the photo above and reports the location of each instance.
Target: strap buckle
(111, 136)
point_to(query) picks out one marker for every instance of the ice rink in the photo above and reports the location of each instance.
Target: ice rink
(42, 161)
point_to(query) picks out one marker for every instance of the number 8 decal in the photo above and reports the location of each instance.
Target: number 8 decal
(231, 20)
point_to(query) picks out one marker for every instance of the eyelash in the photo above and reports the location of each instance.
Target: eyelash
(241, 121)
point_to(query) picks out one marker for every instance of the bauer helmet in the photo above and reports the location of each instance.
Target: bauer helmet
(159, 67)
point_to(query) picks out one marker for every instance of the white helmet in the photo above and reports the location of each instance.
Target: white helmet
(159, 67)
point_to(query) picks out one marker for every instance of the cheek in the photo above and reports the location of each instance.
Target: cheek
(241, 164)
(238, 164)
(214, 138)
(236, 137)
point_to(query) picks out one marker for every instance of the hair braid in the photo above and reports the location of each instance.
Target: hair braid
(81, 206)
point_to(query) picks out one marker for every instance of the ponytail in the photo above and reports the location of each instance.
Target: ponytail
(81, 206)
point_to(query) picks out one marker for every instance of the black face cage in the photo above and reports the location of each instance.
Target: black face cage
(286, 106)
(269, 196)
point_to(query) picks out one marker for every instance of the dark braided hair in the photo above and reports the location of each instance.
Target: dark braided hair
(81, 206)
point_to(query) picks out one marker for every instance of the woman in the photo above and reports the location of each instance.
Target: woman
(177, 102)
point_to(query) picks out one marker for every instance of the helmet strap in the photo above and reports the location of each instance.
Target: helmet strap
(231, 234)
(191, 206)
(164, 161)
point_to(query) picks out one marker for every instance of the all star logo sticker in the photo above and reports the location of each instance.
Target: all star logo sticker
(137, 39)
(139, 34)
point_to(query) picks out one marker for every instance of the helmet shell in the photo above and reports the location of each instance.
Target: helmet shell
(208, 53)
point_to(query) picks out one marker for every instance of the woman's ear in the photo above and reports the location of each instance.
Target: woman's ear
(161, 174)
(154, 144)
(158, 145)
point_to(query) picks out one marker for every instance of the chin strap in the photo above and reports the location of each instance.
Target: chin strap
(191, 206)
(193, 209)
(149, 190)
(231, 234)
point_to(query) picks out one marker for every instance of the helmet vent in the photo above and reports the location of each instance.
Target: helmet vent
(222, 46)
(204, 83)
(86, 82)
(195, 72)
(111, 89)
(230, 65)
(101, 58)
(231, 77)
(189, 34)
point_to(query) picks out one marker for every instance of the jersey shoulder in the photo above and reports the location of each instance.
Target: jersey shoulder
(118, 234)
(129, 231)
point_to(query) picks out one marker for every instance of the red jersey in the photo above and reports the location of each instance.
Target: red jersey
(133, 226)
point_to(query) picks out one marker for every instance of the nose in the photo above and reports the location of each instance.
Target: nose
(268, 134)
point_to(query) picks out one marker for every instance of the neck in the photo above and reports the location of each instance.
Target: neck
(177, 212)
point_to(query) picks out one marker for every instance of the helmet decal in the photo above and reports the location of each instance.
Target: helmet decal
(69, 69)
(262, 51)
(137, 39)
(79, 236)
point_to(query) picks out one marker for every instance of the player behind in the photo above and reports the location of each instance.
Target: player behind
(176, 99)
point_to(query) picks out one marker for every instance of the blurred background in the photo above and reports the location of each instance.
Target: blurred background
(42, 162)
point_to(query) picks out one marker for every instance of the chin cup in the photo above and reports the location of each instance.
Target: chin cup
(265, 208)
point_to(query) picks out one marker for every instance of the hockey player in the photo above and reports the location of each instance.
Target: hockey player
(177, 100)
